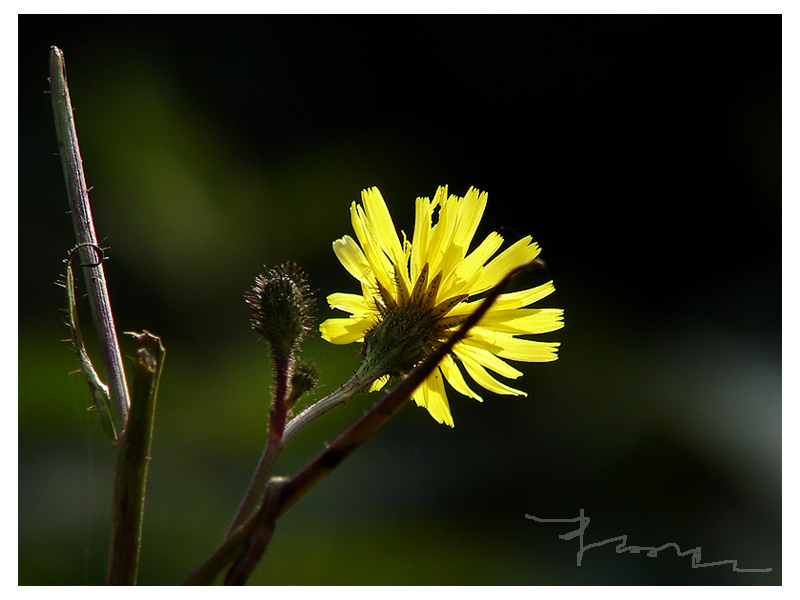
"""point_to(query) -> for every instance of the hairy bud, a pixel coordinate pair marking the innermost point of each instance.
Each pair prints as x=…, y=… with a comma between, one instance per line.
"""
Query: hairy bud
x=304, y=379
x=282, y=307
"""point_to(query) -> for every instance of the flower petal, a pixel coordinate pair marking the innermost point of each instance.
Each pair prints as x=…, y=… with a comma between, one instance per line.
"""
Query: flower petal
x=375, y=256
x=505, y=345
x=482, y=377
x=524, y=297
x=529, y=350
x=345, y=331
x=524, y=320
x=431, y=395
x=469, y=269
x=485, y=354
x=352, y=257
x=470, y=214
x=379, y=383
x=452, y=373
x=509, y=300
x=516, y=255
x=382, y=225
x=441, y=233
x=352, y=303
x=419, y=243
x=455, y=241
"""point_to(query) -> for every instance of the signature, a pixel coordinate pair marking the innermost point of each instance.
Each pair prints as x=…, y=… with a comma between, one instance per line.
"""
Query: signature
x=623, y=547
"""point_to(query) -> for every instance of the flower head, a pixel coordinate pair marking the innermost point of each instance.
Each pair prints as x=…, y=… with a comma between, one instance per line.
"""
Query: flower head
x=414, y=294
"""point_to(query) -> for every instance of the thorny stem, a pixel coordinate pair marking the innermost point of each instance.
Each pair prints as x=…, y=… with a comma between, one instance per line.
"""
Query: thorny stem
x=240, y=543
x=81, y=211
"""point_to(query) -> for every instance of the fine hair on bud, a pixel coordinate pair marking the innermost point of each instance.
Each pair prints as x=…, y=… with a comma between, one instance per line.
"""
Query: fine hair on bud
x=283, y=307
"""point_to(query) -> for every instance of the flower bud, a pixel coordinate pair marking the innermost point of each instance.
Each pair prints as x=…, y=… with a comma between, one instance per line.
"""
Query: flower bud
x=304, y=378
x=282, y=308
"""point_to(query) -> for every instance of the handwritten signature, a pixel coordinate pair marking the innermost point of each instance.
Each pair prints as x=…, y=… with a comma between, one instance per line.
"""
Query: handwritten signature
x=623, y=547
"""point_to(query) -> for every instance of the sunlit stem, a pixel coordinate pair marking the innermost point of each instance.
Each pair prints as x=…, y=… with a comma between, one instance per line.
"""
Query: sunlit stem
x=81, y=212
x=361, y=380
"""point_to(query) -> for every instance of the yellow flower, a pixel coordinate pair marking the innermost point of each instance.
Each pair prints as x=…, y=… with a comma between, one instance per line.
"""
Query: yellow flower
x=415, y=294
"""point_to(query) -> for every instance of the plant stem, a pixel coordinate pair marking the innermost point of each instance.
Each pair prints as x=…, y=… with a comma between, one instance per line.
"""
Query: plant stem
x=260, y=534
x=254, y=528
x=380, y=412
x=81, y=211
x=283, y=367
x=359, y=382
x=246, y=518
x=98, y=389
x=133, y=458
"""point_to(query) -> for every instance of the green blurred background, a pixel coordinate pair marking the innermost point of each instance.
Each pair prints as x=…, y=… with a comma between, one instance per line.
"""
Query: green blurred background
x=642, y=153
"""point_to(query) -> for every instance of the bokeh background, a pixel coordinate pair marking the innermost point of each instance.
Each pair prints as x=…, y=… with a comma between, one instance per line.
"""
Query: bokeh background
x=643, y=154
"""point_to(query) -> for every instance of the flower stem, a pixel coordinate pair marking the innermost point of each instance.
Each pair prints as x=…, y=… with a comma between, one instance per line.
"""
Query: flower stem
x=256, y=487
x=260, y=534
x=284, y=369
x=359, y=382
x=133, y=458
x=260, y=524
x=281, y=432
x=283, y=366
x=83, y=224
x=380, y=412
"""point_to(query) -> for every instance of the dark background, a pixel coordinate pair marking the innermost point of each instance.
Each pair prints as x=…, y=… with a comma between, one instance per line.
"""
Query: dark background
x=642, y=153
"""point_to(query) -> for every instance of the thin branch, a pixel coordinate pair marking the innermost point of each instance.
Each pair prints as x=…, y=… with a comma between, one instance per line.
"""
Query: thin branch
x=87, y=239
